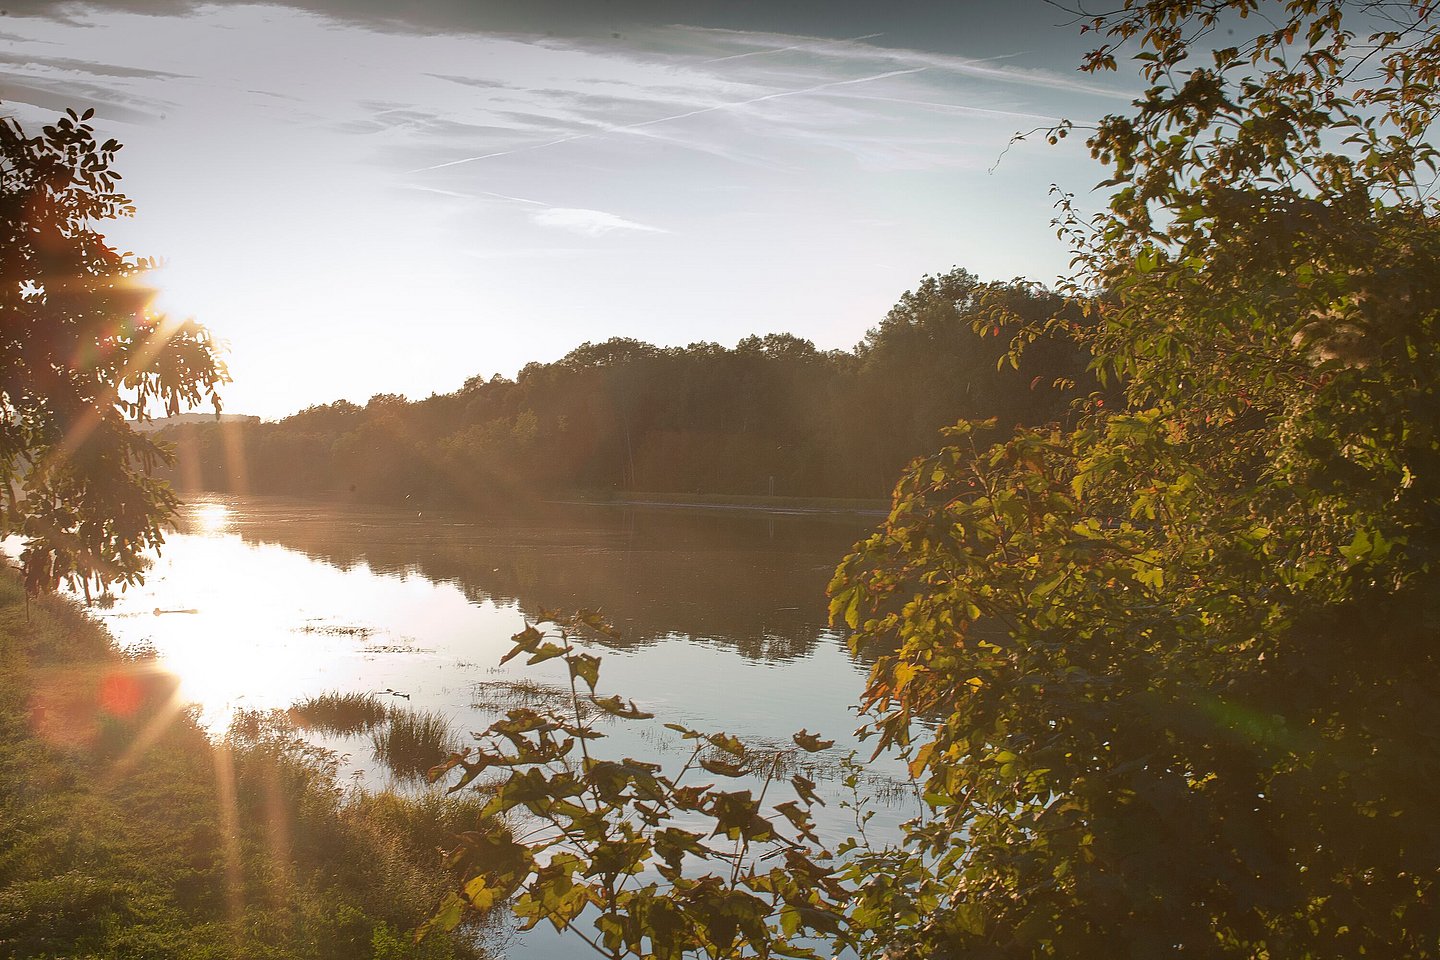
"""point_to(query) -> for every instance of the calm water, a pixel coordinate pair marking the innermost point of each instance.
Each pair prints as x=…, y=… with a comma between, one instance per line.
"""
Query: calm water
x=260, y=603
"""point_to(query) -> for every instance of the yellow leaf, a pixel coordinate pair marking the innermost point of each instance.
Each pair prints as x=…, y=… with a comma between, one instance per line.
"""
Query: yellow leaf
x=481, y=896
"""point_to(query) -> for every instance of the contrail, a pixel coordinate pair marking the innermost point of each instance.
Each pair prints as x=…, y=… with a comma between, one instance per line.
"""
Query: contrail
x=798, y=46
x=501, y=153
x=773, y=96
x=985, y=111
x=678, y=116
x=474, y=194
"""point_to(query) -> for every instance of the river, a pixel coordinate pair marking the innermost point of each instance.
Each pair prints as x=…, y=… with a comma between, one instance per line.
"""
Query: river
x=259, y=603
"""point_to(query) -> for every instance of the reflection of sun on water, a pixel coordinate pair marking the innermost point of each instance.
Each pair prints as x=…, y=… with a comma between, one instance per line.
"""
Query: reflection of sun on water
x=209, y=519
x=223, y=674
x=230, y=635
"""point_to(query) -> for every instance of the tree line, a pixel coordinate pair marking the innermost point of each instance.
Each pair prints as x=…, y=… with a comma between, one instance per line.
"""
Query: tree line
x=773, y=415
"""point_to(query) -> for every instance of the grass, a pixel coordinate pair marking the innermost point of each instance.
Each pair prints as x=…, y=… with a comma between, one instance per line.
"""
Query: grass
x=339, y=713
x=500, y=696
x=125, y=833
x=412, y=741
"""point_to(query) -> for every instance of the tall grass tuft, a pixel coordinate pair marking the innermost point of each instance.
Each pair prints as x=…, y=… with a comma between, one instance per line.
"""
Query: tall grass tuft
x=412, y=741
x=339, y=713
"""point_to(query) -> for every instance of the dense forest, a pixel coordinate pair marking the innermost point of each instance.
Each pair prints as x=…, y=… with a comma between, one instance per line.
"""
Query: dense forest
x=772, y=416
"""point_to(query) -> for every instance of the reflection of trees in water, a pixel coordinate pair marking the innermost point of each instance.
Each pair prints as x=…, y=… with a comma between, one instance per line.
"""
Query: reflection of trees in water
x=751, y=582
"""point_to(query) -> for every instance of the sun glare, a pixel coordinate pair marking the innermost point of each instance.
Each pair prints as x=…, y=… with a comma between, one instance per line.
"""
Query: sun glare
x=210, y=519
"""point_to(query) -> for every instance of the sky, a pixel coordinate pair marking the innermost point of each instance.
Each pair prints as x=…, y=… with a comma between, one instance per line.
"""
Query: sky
x=396, y=195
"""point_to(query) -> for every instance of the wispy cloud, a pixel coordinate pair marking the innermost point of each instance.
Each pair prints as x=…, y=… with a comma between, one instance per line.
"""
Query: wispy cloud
x=763, y=95
x=815, y=45
x=990, y=68
x=30, y=63
x=961, y=108
x=589, y=223
x=759, y=99
x=580, y=220
x=685, y=115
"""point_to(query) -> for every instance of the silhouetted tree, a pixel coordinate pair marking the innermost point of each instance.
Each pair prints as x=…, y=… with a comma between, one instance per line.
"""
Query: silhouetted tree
x=81, y=355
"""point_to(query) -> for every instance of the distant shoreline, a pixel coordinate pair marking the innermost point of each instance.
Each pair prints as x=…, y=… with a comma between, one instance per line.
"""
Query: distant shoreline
x=775, y=505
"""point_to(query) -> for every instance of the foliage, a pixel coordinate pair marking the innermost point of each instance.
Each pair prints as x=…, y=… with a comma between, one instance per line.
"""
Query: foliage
x=621, y=415
x=80, y=352
x=655, y=868
x=1179, y=660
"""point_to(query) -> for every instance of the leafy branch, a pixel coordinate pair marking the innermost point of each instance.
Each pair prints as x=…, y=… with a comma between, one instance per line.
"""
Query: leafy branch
x=624, y=856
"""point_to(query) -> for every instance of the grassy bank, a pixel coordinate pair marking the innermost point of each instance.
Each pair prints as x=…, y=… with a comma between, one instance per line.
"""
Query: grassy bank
x=125, y=833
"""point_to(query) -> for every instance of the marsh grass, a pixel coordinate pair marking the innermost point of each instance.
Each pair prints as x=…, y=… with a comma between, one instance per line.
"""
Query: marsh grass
x=502, y=695
x=412, y=741
x=128, y=834
x=339, y=713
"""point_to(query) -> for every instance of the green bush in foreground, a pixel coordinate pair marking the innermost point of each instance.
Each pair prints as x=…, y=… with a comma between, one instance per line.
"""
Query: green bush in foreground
x=1180, y=662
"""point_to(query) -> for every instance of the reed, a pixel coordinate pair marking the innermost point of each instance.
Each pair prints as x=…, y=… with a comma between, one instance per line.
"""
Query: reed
x=339, y=713
x=412, y=741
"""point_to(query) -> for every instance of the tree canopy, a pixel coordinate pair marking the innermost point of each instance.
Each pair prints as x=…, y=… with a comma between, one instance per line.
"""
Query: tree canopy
x=81, y=357
x=621, y=415
x=1176, y=668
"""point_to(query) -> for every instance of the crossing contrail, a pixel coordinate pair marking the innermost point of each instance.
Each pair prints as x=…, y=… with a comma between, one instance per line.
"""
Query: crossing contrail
x=673, y=117
x=798, y=46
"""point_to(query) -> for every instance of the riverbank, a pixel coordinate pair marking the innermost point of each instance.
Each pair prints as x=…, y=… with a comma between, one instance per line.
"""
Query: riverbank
x=125, y=832
x=719, y=501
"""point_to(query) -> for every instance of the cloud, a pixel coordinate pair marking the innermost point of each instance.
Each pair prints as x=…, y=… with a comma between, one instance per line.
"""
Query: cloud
x=46, y=98
x=462, y=109
x=992, y=68
x=589, y=223
x=640, y=125
x=8, y=61
x=753, y=97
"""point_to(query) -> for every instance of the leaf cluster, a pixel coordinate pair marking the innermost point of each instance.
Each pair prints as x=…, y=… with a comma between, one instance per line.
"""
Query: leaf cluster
x=82, y=355
x=636, y=862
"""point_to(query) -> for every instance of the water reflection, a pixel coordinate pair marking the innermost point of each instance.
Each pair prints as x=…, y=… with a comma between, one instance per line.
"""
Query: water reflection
x=208, y=519
x=752, y=582
x=265, y=604
x=260, y=604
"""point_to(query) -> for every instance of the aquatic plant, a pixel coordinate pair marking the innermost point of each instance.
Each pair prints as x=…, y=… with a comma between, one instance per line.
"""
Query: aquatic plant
x=339, y=713
x=412, y=741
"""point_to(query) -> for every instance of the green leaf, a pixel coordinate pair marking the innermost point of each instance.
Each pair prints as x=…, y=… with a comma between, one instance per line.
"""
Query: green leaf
x=726, y=742
x=626, y=710
x=480, y=896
